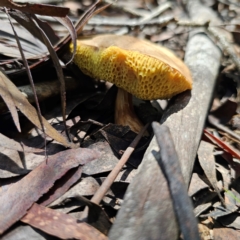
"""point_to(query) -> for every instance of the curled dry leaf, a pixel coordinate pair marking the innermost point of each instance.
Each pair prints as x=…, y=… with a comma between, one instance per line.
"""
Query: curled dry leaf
x=20, y=196
x=40, y=50
x=58, y=67
x=69, y=25
x=36, y=28
x=25, y=21
x=60, y=225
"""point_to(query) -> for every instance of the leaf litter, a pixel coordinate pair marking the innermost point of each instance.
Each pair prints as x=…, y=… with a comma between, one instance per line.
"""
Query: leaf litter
x=215, y=171
x=60, y=224
x=29, y=111
x=15, y=203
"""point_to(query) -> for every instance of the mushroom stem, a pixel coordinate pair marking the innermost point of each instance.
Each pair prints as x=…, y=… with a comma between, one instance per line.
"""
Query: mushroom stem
x=124, y=112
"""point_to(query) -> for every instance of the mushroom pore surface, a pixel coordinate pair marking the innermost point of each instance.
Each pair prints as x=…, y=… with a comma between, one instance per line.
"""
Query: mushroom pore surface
x=145, y=76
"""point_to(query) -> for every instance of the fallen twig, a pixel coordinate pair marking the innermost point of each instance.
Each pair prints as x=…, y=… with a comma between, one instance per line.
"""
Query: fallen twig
x=98, y=196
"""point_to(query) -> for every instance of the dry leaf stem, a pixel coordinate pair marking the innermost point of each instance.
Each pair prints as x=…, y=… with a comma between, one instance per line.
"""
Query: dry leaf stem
x=112, y=176
x=98, y=196
x=160, y=22
x=144, y=20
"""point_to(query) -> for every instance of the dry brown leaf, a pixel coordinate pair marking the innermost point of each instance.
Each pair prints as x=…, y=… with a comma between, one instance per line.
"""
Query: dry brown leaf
x=11, y=144
x=61, y=186
x=60, y=224
x=30, y=112
x=31, y=46
x=69, y=25
x=86, y=187
x=20, y=196
x=41, y=9
x=225, y=233
x=8, y=99
x=207, y=162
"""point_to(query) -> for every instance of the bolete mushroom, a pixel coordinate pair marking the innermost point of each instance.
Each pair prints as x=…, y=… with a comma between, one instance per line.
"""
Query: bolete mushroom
x=138, y=67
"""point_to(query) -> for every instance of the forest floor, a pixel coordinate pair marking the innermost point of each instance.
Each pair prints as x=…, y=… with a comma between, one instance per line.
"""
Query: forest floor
x=68, y=171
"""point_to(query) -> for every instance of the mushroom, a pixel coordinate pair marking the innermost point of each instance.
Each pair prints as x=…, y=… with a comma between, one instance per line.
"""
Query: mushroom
x=137, y=67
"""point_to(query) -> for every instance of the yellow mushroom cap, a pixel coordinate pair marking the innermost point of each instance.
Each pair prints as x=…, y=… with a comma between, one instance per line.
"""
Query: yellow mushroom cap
x=144, y=69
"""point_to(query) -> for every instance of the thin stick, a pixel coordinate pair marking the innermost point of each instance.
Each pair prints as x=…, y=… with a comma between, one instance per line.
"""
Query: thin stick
x=144, y=20
x=99, y=194
x=100, y=21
